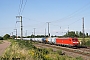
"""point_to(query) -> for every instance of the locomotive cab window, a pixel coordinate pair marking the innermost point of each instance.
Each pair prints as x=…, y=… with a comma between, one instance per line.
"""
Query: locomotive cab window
x=74, y=40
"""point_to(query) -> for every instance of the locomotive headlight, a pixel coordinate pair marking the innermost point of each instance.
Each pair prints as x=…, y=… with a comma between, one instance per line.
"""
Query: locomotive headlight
x=75, y=42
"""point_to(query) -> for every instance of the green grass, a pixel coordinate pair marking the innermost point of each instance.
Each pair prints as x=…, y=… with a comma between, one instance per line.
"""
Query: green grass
x=25, y=50
x=87, y=41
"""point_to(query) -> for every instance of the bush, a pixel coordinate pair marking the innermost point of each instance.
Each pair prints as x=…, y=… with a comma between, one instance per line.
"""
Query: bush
x=1, y=38
x=88, y=43
x=6, y=36
x=59, y=52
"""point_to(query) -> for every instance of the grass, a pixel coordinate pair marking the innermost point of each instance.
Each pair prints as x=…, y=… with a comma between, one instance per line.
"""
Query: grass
x=25, y=50
x=87, y=41
x=1, y=41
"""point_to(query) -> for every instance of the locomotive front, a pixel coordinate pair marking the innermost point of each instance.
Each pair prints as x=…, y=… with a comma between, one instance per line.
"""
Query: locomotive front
x=75, y=42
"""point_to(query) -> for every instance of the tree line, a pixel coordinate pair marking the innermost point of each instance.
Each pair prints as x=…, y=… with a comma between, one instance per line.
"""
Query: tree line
x=68, y=34
x=76, y=34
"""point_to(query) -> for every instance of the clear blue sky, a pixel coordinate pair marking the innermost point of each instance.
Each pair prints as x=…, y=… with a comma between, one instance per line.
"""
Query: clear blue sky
x=60, y=13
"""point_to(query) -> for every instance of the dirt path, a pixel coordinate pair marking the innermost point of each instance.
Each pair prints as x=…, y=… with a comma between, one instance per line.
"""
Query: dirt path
x=3, y=46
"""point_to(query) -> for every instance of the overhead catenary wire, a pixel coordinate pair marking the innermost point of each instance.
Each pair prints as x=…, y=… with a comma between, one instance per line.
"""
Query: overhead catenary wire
x=72, y=14
x=52, y=24
x=74, y=22
x=64, y=18
x=23, y=7
x=38, y=23
x=69, y=16
x=31, y=19
x=20, y=7
x=67, y=24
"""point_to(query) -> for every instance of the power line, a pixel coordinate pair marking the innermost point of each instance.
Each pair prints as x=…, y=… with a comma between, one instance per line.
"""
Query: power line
x=20, y=7
x=32, y=20
x=74, y=21
x=53, y=24
x=68, y=24
x=69, y=16
x=34, y=24
x=24, y=6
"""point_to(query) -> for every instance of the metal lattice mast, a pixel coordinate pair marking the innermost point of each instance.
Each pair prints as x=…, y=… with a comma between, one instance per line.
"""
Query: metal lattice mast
x=21, y=26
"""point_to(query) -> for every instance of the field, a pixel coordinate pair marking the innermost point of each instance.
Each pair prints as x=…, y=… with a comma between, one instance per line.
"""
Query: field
x=25, y=50
x=86, y=39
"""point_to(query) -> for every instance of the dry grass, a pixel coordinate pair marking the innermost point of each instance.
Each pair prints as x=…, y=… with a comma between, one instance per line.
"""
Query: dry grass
x=86, y=39
x=24, y=52
x=1, y=41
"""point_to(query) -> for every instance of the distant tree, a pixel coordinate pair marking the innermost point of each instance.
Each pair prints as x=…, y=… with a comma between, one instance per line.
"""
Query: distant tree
x=13, y=36
x=52, y=36
x=66, y=35
x=6, y=36
x=1, y=38
x=81, y=34
x=28, y=36
x=18, y=36
x=32, y=36
x=71, y=34
x=87, y=35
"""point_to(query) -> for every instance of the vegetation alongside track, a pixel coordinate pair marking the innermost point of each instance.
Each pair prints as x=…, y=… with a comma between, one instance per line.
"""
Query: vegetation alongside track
x=25, y=50
x=87, y=41
x=1, y=41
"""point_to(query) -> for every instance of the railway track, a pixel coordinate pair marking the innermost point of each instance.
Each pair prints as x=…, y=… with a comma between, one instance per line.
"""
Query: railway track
x=83, y=52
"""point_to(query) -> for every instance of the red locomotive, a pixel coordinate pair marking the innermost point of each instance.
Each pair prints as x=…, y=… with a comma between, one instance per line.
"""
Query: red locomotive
x=67, y=41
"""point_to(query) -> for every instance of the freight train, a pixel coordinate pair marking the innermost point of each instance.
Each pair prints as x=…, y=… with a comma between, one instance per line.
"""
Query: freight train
x=56, y=41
